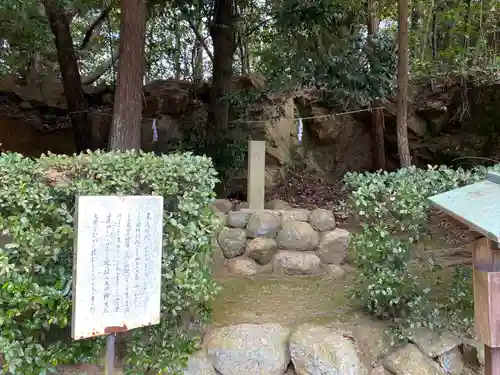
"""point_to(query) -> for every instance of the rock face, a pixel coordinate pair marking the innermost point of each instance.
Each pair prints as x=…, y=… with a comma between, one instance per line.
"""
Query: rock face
x=318, y=350
x=249, y=349
x=339, y=143
x=178, y=110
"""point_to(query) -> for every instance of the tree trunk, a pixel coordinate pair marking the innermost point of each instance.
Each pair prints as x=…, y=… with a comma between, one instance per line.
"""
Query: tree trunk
x=198, y=62
x=243, y=59
x=177, y=52
x=125, y=131
x=198, y=46
x=402, y=100
x=222, y=33
x=378, y=145
x=72, y=83
x=434, y=36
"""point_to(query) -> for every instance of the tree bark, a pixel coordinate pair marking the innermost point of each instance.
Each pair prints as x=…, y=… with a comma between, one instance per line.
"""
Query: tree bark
x=223, y=40
x=70, y=74
x=93, y=29
x=125, y=131
x=402, y=82
x=198, y=62
x=177, y=52
x=378, y=145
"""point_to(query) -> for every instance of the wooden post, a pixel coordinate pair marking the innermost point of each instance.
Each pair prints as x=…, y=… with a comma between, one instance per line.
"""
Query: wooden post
x=486, y=279
x=256, y=181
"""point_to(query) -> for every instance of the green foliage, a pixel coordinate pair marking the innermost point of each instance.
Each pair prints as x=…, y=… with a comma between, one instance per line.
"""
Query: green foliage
x=460, y=305
x=36, y=214
x=228, y=152
x=323, y=45
x=393, y=209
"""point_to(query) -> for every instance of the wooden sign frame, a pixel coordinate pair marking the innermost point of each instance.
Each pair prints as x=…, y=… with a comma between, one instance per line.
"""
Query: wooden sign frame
x=478, y=206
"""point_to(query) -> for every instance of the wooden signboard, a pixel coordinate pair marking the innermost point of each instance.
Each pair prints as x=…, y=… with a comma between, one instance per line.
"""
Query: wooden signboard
x=478, y=206
x=117, y=265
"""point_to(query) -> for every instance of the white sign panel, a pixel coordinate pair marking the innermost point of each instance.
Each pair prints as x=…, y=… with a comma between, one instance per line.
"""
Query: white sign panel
x=117, y=264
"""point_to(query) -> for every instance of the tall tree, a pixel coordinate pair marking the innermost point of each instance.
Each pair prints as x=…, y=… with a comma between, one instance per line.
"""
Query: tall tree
x=377, y=113
x=402, y=81
x=70, y=74
x=125, y=131
x=223, y=40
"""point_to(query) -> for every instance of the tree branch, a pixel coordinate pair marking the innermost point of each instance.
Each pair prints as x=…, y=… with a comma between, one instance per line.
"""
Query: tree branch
x=253, y=29
x=197, y=34
x=98, y=73
x=97, y=22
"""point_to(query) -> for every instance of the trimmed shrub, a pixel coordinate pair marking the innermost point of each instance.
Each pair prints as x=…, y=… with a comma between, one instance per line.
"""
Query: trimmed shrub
x=393, y=209
x=37, y=201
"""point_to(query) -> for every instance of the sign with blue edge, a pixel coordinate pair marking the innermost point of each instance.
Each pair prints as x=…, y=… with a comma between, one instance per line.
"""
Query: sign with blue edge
x=476, y=205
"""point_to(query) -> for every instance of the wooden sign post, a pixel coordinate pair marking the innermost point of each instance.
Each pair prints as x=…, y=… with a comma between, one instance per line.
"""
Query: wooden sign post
x=256, y=180
x=478, y=206
x=117, y=266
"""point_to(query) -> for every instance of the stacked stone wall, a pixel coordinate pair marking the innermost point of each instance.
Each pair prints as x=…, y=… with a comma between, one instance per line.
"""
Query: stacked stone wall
x=279, y=239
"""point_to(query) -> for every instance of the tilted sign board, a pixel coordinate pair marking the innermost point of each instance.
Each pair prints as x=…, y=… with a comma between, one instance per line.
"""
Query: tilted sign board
x=117, y=264
x=478, y=206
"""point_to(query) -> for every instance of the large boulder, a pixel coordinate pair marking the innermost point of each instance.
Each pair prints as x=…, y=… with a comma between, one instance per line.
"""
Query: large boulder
x=223, y=205
x=322, y=220
x=333, y=245
x=297, y=235
x=249, y=349
x=238, y=219
x=232, y=241
x=295, y=214
x=319, y=350
x=277, y=204
x=410, y=360
x=261, y=249
x=372, y=341
x=198, y=364
x=296, y=263
x=444, y=346
x=263, y=223
x=242, y=266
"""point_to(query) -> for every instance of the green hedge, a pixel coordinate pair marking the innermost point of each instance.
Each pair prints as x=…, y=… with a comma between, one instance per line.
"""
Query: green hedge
x=37, y=199
x=393, y=209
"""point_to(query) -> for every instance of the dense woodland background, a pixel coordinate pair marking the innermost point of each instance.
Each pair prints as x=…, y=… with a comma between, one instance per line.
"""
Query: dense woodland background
x=427, y=66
